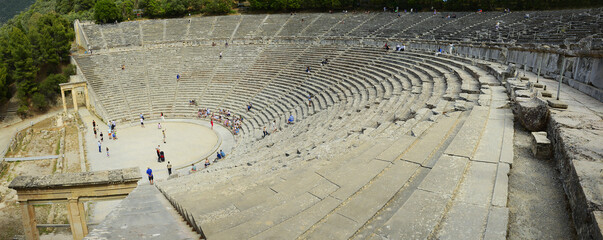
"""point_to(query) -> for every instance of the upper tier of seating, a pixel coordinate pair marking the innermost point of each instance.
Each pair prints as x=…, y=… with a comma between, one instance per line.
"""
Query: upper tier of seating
x=548, y=27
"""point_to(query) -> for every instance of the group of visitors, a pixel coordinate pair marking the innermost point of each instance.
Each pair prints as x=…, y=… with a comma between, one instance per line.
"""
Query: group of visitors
x=224, y=117
x=112, y=133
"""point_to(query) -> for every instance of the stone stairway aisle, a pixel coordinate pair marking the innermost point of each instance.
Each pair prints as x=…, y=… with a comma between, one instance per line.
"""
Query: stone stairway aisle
x=145, y=213
x=464, y=194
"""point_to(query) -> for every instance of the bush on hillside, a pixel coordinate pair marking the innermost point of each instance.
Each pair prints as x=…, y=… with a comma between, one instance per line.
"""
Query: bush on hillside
x=105, y=11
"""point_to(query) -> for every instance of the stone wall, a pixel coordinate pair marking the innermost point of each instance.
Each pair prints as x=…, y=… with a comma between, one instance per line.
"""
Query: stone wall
x=583, y=69
x=95, y=106
x=80, y=36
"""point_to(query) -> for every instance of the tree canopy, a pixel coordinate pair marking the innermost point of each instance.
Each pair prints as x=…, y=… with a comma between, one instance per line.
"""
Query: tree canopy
x=106, y=11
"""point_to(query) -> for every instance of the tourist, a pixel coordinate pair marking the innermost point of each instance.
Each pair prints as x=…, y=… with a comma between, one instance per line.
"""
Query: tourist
x=273, y=126
x=193, y=168
x=158, y=125
x=107, y=151
x=386, y=47
x=291, y=119
x=212, y=123
x=213, y=44
x=177, y=77
x=222, y=153
x=169, y=167
x=220, y=55
x=114, y=136
x=161, y=157
x=398, y=47
x=158, y=153
x=309, y=100
x=94, y=132
x=249, y=106
x=150, y=175
x=218, y=156
x=163, y=132
x=265, y=132
x=206, y=162
x=142, y=122
x=99, y=147
x=308, y=69
x=93, y=124
x=162, y=117
x=123, y=67
x=101, y=136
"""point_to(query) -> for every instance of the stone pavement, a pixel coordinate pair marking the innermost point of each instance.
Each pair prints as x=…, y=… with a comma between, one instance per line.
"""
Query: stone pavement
x=145, y=213
x=576, y=134
x=187, y=141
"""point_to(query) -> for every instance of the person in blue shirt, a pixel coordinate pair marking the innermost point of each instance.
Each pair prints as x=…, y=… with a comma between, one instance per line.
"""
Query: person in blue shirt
x=222, y=153
x=150, y=175
x=291, y=119
x=218, y=155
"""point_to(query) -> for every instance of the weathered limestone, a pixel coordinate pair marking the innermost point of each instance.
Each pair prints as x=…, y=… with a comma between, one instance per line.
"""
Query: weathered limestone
x=73, y=188
x=532, y=114
x=145, y=213
x=71, y=87
x=556, y=104
x=541, y=145
x=579, y=161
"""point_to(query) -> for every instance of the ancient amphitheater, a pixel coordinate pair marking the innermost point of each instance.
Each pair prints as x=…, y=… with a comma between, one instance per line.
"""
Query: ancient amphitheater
x=409, y=144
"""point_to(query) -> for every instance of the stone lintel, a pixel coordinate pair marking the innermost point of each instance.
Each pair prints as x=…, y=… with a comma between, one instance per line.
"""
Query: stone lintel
x=82, y=179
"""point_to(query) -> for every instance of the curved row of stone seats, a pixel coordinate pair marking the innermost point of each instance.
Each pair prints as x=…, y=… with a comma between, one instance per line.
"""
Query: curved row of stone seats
x=459, y=28
x=573, y=25
x=431, y=23
x=236, y=209
x=275, y=111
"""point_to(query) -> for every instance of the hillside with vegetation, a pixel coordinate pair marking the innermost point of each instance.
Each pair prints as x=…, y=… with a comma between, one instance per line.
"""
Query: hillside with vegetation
x=10, y=8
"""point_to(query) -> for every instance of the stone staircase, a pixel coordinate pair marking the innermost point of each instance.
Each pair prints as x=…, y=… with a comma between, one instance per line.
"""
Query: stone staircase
x=145, y=213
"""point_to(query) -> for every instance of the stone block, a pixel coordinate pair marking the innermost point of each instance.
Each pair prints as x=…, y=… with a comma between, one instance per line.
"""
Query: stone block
x=546, y=94
x=541, y=145
x=532, y=114
x=426, y=209
x=464, y=221
x=557, y=104
x=498, y=220
x=501, y=185
x=524, y=93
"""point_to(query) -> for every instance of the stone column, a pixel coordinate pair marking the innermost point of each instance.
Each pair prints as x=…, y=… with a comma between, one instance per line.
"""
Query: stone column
x=74, y=96
x=77, y=219
x=63, y=98
x=86, y=95
x=29, y=221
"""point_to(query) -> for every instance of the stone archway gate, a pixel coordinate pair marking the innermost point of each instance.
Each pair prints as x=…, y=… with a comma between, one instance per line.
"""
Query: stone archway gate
x=72, y=87
x=73, y=189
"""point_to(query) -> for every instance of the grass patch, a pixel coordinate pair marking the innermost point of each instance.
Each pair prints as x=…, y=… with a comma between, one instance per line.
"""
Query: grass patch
x=58, y=148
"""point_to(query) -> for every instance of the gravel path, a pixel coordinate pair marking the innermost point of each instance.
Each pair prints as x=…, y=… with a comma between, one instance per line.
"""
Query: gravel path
x=538, y=206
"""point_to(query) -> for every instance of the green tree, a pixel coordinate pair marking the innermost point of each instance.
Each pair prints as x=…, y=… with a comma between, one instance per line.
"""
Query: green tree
x=24, y=70
x=50, y=86
x=3, y=84
x=39, y=101
x=51, y=37
x=126, y=7
x=152, y=8
x=174, y=8
x=105, y=11
x=218, y=6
